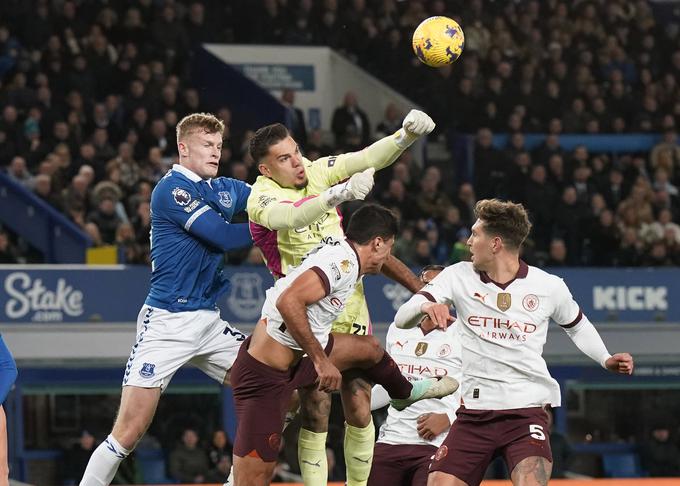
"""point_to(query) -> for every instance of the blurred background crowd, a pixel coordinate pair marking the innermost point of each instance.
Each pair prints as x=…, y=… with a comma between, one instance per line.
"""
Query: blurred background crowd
x=91, y=91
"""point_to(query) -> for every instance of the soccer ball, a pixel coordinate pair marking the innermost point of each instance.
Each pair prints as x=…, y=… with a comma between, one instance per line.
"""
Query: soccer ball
x=438, y=41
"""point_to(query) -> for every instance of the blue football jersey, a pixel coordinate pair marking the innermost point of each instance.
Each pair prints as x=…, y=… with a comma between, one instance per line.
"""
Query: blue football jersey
x=190, y=231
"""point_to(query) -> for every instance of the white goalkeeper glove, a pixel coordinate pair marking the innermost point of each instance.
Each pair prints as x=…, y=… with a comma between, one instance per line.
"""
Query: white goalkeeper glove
x=415, y=125
x=357, y=187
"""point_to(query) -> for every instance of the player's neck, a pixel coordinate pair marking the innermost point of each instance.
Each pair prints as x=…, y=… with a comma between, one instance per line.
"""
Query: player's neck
x=504, y=268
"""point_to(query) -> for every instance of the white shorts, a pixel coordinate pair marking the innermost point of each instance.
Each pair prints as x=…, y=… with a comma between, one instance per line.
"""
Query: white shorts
x=168, y=340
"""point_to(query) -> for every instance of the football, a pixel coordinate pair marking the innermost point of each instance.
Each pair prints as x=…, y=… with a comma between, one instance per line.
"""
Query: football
x=438, y=41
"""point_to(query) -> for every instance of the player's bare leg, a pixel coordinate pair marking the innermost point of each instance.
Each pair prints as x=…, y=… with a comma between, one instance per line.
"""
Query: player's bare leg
x=137, y=408
x=359, y=430
x=356, y=398
x=438, y=478
x=315, y=408
x=532, y=471
x=252, y=471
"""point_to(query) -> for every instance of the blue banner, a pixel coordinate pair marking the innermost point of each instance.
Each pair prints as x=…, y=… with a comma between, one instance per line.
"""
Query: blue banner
x=78, y=293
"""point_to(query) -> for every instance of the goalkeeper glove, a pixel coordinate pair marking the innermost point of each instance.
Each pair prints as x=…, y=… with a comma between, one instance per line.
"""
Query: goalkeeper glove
x=356, y=187
x=415, y=125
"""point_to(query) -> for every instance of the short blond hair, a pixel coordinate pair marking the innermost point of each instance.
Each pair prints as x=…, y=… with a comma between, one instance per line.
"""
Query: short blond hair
x=206, y=122
x=504, y=219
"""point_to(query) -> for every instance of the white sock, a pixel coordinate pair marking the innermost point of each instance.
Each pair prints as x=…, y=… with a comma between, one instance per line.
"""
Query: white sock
x=104, y=463
x=230, y=479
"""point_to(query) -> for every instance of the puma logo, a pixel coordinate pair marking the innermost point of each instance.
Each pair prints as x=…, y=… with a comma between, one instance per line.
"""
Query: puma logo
x=400, y=344
x=480, y=297
x=315, y=464
x=362, y=460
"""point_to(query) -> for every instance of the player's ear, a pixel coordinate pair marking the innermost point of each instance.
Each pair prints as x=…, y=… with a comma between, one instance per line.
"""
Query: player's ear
x=264, y=170
x=182, y=148
x=378, y=243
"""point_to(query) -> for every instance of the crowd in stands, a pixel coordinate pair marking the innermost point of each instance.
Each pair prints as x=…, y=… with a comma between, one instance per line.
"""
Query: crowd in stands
x=91, y=91
x=189, y=461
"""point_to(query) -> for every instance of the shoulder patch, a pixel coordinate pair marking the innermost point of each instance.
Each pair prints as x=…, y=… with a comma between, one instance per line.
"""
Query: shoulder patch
x=181, y=196
x=192, y=206
x=331, y=160
x=345, y=265
x=336, y=272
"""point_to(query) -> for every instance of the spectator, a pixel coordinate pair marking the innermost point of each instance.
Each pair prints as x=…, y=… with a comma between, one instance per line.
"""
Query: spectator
x=604, y=240
x=630, y=250
x=570, y=215
x=489, y=166
x=106, y=219
x=541, y=197
x=295, y=119
x=465, y=202
x=219, y=447
x=18, y=172
x=43, y=189
x=397, y=197
x=660, y=456
x=350, y=121
x=75, y=459
x=188, y=462
x=557, y=256
x=7, y=252
x=390, y=123
x=220, y=470
x=431, y=201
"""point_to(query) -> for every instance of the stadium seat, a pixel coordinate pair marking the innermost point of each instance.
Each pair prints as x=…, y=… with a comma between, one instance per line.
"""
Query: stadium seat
x=621, y=465
x=152, y=464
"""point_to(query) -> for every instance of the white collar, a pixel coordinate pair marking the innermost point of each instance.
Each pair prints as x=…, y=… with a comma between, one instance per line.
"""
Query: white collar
x=189, y=174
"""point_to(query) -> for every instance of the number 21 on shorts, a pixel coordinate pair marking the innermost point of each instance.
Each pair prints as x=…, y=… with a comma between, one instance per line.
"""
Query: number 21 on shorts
x=536, y=431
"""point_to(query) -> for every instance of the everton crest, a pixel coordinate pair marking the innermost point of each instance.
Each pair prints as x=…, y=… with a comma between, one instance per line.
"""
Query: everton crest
x=225, y=199
x=147, y=370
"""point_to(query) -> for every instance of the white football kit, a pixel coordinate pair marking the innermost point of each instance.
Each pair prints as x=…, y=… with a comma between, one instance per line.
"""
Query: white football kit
x=422, y=355
x=337, y=265
x=503, y=329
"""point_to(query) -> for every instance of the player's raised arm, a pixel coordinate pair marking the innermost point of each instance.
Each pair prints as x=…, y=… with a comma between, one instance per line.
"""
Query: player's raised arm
x=433, y=300
x=379, y=154
x=308, y=288
x=584, y=335
x=419, y=305
x=277, y=214
x=396, y=270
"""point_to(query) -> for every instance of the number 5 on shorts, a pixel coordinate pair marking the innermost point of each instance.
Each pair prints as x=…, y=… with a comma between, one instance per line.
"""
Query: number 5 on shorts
x=536, y=431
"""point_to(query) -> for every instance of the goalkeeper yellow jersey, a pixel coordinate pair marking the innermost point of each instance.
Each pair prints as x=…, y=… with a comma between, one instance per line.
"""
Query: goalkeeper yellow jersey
x=283, y=249
x=286, y=248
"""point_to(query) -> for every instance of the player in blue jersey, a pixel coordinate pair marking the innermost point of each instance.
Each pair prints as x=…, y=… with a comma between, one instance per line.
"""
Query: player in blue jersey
x=179, y=322
x=8, y=373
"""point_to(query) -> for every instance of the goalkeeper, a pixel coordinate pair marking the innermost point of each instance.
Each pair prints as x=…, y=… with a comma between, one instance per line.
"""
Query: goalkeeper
x=292, y=209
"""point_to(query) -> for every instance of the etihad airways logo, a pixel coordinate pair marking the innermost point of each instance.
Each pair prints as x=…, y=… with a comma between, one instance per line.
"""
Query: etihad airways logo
x=422, y=370
x=501, y=323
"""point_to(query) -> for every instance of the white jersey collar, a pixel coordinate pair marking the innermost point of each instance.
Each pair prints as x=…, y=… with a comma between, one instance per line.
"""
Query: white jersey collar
x=189, y=174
